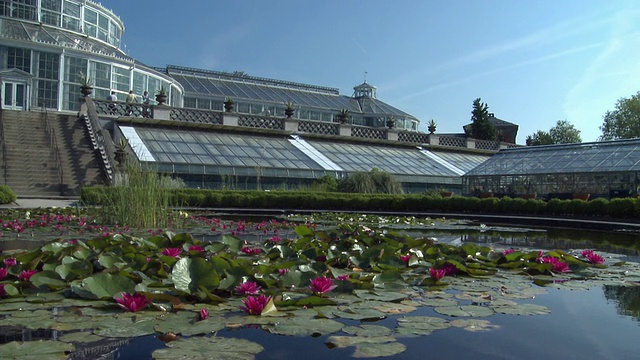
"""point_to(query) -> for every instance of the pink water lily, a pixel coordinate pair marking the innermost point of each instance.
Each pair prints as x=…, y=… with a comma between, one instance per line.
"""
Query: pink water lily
x=558, y=266
x=436, y=274
x=248, y=288
x=173, y=252
x=197, y=248
x=250, y=251
x=254, y=305
x=275, y=239
x=25, y=275
x=344, y=277
x=283, y=271
x=593, y=257
x=449, y=269
x=132, y=302
x=204, y=314
x=508, y=251
x=3, y=273
x=3, y=292
x=322, y=285
x=405, y=258
x=9, y=262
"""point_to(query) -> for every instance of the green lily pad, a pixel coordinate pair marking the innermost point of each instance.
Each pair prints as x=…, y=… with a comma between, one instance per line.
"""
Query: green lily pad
x=124, y=327
x=420, y=325
x=305, y=327
x=474, y=325
x=379, y=350
x=80, y=337
x=40, y=349
x=367, y=330
x=467, y=310
x=522, y=309
x=202, y=348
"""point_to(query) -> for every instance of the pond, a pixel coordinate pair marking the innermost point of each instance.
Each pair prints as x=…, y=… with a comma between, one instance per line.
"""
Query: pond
x=502, y=302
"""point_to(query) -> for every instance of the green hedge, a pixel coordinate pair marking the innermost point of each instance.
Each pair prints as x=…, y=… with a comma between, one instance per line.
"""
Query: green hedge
x=6, y=195
x=334, y=201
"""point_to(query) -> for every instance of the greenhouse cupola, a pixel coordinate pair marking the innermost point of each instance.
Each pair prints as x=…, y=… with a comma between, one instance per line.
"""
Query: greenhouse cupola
x=364, y=90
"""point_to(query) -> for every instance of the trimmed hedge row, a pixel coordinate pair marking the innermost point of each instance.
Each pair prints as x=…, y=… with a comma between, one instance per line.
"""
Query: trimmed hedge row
x=292, y=201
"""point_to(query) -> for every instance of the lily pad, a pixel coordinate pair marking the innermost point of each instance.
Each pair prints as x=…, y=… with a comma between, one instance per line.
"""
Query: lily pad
x=367, y=330
x=522, y=309
x=305, y=327
x=197, y=348
x=467, y=310
x=420, y=325
x=474, y=325
x=40, y=349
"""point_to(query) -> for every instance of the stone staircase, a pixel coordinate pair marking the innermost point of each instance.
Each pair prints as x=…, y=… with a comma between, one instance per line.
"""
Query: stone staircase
x=33, y=166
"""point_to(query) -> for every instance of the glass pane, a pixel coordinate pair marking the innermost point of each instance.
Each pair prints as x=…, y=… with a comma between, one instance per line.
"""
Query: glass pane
x=8, y=94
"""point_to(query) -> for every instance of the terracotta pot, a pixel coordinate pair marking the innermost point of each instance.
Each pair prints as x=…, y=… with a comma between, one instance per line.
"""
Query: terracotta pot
x=582, y=196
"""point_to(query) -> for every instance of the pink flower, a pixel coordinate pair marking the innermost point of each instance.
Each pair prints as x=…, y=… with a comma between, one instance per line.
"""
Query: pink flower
x=322, y=285
x=3, y=292
x=592, y=257
x=449, y=269
x=250, y=251
x=508, y=251
x=558, y=266
x=248, y=288
x=3, y=273
x=344, y=277
x=197, y=248
x=283, y=271
x=173, y=252
x=255, y=304
x=9, y=262
x=204, y=314
x=436, y=274
x=275, y=239
x=132, y=302
x=25, y=275
x=405, y=258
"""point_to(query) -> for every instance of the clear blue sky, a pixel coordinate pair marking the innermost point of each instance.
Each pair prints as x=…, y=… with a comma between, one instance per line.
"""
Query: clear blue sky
x=532, y=62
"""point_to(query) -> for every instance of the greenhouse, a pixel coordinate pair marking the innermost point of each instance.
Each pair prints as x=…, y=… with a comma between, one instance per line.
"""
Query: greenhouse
x=602, y=169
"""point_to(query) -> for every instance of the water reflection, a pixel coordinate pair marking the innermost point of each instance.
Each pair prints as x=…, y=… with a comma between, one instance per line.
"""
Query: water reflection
x=626, y=299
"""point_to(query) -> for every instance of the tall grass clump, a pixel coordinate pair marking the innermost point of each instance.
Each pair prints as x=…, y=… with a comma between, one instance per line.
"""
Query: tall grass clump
x=374, y=182
x=140, y=198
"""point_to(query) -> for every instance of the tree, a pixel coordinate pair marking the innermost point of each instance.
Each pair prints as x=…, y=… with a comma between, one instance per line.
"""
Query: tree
x=563, y=133
x=624, y=121
x=540, y=137
x=482, y=128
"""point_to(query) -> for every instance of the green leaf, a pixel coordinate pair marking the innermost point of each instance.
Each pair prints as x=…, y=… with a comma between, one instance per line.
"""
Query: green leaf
x=48, y=278
x=203, y=348
x=305, y=327
x=39, y=349
x=103, y=285
x=189, y=274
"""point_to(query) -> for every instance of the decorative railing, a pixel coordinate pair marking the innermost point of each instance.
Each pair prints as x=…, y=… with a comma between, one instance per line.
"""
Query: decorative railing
x=53, y=144
x=196, y=116
x=487, y=145
x=100, y=138
x=414, y=137
x=368, y=132
x=261, y=122
x=319, y=127
x=4, y=153
x=119, y=108
x=453, y=141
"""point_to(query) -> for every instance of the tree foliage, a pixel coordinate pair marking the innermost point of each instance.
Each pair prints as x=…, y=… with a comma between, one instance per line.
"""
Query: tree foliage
x=563, y=133
x=482, y=128
x=624, y=121
x=374, y=182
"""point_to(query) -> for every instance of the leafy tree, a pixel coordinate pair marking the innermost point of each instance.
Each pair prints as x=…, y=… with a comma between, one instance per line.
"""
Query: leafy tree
x=563, y=133
x=624, y=121
x=482, y=128
x=540, y=137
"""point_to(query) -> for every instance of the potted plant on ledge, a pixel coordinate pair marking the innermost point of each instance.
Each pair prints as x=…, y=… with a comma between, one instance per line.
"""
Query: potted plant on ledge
x=228, y=104
x=431, y=126
x=85, y=85
x=161, y=95
x=343, y=116
x=391, y=122
x=290, y=108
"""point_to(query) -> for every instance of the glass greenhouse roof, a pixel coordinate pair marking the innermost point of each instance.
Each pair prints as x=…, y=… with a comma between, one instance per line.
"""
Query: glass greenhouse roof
x=32, y=32
x=610, y=156
x=248, y=88
x=198, y=148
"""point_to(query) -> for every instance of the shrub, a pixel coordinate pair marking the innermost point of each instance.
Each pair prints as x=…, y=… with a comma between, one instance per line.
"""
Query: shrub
x=6, y=195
